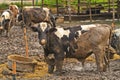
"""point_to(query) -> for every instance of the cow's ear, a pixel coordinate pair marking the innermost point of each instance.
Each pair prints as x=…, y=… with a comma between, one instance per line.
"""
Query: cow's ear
x=51, y=30
x=10, y=7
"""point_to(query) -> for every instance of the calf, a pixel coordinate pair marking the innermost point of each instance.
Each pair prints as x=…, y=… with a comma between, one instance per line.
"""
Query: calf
x=62, y=42
x=94, y=41
x=8, y=19
x=6, y=22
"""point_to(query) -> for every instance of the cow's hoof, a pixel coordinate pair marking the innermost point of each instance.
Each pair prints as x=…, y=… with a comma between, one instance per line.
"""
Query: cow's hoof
x=104, y=68
x=50, y=69
x=59, y=73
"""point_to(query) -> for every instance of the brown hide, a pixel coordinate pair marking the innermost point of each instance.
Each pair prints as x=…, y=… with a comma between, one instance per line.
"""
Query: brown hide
x=94, y=41
x=14, y=10
x=34, y=15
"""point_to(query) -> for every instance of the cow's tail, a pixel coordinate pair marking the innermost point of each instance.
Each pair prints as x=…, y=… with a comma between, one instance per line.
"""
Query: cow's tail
x=107, y=56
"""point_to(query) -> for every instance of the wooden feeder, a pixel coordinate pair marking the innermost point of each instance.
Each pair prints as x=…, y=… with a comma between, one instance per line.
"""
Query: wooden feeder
x=23, y=64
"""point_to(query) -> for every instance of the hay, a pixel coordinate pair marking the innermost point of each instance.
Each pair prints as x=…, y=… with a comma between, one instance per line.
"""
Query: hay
x=40, y=71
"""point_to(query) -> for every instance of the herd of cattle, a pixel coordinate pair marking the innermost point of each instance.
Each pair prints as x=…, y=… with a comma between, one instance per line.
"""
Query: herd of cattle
x=58, y=43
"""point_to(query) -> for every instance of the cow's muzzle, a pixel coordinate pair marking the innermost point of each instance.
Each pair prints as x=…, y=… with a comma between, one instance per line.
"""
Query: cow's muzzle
x=1, y=28
x=43, y=42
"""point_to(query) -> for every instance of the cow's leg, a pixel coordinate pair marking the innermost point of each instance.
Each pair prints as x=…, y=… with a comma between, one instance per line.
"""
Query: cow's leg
x=51, y=62
x=59, y=64
x=1, y=32
x=7, y=33
x=83, y=64
x=59, y=57
x=51, y=65
x=8, y=30
x=107, y=60
x=99, y=56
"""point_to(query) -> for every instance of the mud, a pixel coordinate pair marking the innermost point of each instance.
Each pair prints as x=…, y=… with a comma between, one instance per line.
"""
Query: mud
x=72, y=69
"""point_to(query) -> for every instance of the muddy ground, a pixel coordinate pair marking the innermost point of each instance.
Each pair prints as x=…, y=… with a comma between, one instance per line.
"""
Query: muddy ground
x=72, y=68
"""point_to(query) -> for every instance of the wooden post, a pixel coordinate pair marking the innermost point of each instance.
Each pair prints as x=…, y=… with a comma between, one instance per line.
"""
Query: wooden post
x=113, y=11
x=57, y=7
x=21, y=3
x=42, y=4
x=14, y=70
x=69, y=10
x=25, y=37
x=90, y=12
x=78, y=6
x=109, y=6
x=32, y=2
x=26, y=42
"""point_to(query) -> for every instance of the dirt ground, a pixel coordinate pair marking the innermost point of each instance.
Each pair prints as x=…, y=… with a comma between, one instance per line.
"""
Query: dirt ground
x=15, y=44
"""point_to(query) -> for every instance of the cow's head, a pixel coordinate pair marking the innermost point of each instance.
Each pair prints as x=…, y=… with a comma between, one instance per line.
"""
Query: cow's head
x=19, y=16
x=5, y=18
x=14, y=9
x=43, y=29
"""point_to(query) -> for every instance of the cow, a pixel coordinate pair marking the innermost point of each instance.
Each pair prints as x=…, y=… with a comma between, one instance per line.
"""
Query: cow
x=8, y=19
x=94, y=41
x=32, y=15
x=59, y=43
x=115, y=40
x=14, y=9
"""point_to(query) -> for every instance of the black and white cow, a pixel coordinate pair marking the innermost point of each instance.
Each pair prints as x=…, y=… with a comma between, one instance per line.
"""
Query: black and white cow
x=115, y=41
x=8, y=19
x=58, y=41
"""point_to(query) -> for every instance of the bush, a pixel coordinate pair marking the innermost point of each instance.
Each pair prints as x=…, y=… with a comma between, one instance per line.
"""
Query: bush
x=4, y=6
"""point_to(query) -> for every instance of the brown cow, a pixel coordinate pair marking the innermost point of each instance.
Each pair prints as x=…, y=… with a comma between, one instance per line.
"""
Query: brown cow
x=94, y=41
x=14, y=9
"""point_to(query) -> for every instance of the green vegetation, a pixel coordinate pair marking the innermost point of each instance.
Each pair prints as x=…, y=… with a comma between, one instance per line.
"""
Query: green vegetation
x=52, y=3
x=3, y=6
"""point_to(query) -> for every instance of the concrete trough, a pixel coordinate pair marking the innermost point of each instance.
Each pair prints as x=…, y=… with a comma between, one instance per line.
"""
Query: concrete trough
x=23, y=64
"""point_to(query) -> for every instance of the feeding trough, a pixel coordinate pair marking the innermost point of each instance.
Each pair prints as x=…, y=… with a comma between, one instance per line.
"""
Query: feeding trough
x=23, y=64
